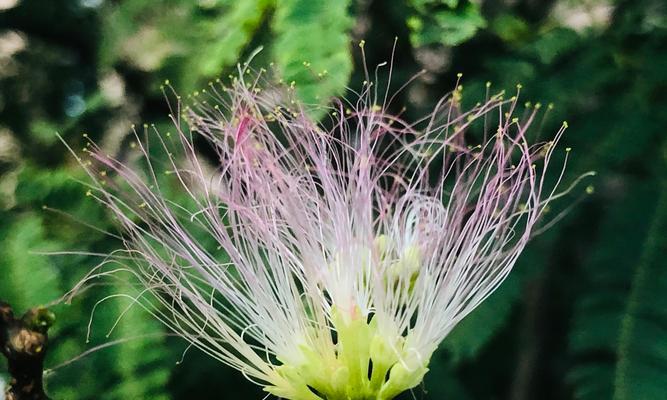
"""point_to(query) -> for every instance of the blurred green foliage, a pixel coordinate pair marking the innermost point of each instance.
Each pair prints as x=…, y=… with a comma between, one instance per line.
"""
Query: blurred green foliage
x=446, y=22
x=583, y=316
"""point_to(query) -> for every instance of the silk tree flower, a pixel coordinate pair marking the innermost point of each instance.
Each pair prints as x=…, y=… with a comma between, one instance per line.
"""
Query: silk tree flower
x=324, y=260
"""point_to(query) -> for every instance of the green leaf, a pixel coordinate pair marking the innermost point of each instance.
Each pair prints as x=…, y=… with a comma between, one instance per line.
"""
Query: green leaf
x=229, y=34
x=511, y=28
x=44, y=131
x=475, y=330
x=312, y=47
x=441, y=381
x=555, y=43
x=37, y=186
x=598, y=312
x=141, y=34
x=641, y=372
x=440, y=23
x=142, y=375
x=192, y=40
x=28, y=279
x=423, y=5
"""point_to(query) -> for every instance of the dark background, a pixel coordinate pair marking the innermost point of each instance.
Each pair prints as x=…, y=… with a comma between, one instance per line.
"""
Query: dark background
x=584, y=314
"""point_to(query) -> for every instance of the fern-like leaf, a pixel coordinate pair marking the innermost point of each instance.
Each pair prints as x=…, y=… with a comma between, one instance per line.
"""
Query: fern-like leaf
x=597, y=313
x=641, y=372
x=141, y=362
x=230, y=33
x=27, y=279
x=312, y=48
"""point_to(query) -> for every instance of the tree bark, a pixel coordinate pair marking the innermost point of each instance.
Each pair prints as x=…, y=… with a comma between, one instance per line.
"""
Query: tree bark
x=23, y=341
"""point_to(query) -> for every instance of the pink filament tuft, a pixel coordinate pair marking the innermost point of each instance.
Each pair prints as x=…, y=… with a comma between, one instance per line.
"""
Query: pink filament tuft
x=297, y=207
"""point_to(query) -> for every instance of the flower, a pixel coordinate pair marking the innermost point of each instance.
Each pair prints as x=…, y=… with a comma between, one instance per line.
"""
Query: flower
x=324, y=260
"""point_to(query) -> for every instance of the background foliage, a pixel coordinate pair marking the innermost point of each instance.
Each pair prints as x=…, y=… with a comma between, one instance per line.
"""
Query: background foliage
x=584, y=315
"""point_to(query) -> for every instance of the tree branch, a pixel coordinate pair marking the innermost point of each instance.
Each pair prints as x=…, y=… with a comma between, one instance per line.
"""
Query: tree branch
x=24, y=343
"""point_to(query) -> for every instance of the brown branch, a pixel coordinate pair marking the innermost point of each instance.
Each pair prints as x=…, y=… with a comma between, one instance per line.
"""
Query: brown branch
x=23, y=341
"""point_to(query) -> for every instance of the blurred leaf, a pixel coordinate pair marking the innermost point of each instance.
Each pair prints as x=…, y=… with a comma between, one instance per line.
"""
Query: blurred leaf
x=598, y=312
x=444, y=22
x=554, y=43
x=511, y=28
x=475, y=330
x=641, y=372
x=37, y=186
x=195, y=40
x=229, y=34
x=423, y=5
x=140, y=33
x=441, y=382
x=28, y=279
x=312, y=48
x=142, y=375
x=44, y=131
